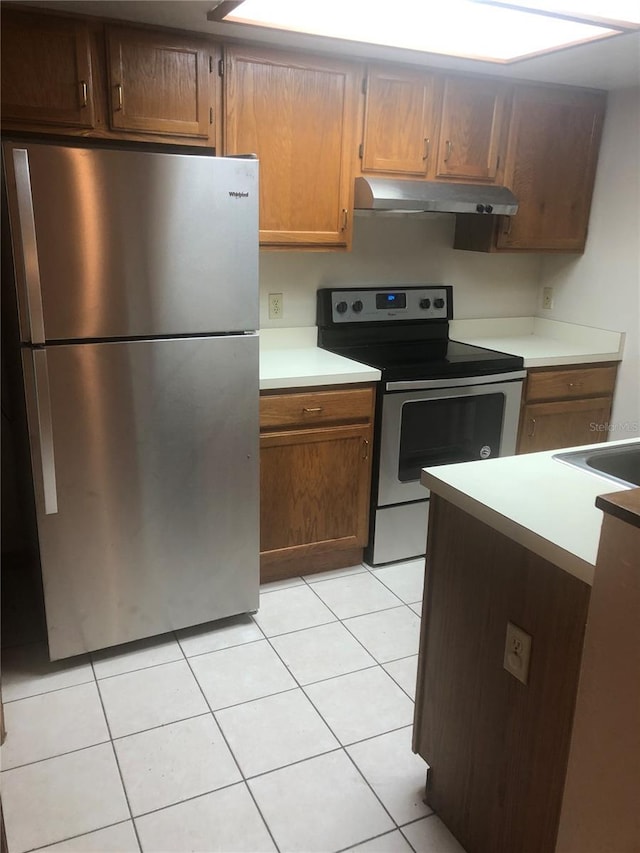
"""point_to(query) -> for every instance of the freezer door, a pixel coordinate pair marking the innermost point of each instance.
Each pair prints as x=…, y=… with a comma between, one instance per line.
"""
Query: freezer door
x=112, y=243
x=147, y=490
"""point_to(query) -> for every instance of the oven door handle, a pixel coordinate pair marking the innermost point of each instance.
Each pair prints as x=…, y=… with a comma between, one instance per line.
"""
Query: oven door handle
x=454, y=382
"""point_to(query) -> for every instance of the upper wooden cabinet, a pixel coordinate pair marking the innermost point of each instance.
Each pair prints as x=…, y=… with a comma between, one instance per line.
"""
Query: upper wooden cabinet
x=471, y=129
x=159, y=83
x=552, y=151
x=47, y=74
x=296, y=113
x=399, y=122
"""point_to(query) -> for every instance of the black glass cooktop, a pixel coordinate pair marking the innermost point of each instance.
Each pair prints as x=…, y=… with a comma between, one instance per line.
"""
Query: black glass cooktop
x=430, y=359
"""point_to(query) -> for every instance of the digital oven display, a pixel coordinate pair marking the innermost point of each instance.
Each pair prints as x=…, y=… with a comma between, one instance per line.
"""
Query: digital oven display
x=391, y=300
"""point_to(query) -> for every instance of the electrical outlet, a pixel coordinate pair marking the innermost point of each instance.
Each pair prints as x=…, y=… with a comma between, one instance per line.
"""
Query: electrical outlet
x=276, y=306
x=547, y=297
x=517, y=652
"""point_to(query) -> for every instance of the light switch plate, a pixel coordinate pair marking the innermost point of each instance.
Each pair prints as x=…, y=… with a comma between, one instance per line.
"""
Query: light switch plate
x=517, y=652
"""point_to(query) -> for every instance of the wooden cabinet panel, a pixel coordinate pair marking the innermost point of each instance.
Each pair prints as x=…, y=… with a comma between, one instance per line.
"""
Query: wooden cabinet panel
x=565, y=423
x=315, y=408
x=296, y=113
x=471, y=129
x=570, y=383
x=399, y=123
x=552, y=150
x=159, y=83
x=47, y=75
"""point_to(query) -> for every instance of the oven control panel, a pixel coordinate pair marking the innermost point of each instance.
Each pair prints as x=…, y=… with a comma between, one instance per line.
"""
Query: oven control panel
x=366, y=305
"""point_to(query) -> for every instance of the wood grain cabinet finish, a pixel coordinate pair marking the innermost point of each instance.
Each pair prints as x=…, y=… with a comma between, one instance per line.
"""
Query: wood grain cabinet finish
x=566, y=408
x=159, y=83
x=399, y=134
x=497, y=749
x=296, y=112
x=47, y=71
x=471, y=129
x=315, y=476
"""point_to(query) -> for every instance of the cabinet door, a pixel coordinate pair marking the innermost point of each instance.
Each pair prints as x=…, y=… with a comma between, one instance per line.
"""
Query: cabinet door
x=471, y=129
x=566, y=423
x=552, y=151
x=159, y=83
x=314, y=489
x=295, y=113
x=46, y=71
x=399, y=121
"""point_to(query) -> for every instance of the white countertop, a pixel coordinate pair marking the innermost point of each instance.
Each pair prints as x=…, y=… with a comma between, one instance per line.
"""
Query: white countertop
x=545, y=505
x=290, y=358
x=542, y=343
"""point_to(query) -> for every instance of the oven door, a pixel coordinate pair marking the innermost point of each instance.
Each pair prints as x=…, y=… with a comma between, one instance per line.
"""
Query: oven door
x=442, y=421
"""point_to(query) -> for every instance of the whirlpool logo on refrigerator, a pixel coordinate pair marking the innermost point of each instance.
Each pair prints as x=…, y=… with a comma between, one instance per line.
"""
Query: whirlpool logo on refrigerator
x=236, y=194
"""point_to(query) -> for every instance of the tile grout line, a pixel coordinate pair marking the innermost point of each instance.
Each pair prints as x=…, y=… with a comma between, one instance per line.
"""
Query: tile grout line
x=115, y=755
x=79, y=835
x=57, y=755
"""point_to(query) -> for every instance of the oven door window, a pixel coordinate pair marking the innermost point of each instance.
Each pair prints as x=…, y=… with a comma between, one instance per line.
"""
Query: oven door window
x=449, y=429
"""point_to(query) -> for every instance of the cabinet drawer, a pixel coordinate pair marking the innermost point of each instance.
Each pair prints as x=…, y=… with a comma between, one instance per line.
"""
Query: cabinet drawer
x=315, y=407
x=567, y=384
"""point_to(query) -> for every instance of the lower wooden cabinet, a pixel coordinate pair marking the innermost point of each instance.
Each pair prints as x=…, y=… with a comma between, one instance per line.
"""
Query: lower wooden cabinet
x=315, y=476
x=566, y=407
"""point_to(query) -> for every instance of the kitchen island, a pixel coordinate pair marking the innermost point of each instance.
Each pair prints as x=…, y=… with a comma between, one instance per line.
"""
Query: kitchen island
x=508, y=730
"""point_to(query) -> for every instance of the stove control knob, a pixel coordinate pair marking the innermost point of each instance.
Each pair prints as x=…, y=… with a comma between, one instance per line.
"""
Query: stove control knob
x=357, y=306
x=480, y=208
x=488, y=208
x=438, y=303
x=341, y=307
x=425, y=303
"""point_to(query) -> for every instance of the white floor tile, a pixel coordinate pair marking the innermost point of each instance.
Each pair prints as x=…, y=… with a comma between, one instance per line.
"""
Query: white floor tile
x=404, y=672
x=362, y=704
x=355, y=594
x=52, y=723
x=336, y=573
x=285, y=583
x=405, y=579
x=222, y=634
x=27, y=671
x=322, y=652
x=174, y=763
x=140, y=700
x=417, y=608
x=291, y=610
x=392, y=842
x=275, y=731
x=139, y=655
x=62, y=797
x=396, y=775
x=226, y=821
x=430, y=835
x=120, y=838
x=240, y=674
x=388, y=635
x=319, y=805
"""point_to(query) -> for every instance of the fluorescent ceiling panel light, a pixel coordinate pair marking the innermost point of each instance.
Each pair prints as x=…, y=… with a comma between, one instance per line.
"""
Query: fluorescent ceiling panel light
x=613, y=13
x=476, y=30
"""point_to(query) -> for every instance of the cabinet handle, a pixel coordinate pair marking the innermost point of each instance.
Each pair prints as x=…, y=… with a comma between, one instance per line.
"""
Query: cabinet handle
x=449, y=145
x=365, y=448
x=345, y=219
x=84, y=93
x=507, y=230
x=119, y=93
x=427, y=147
x=532, y=430
x=311, y=409
x=575, y=384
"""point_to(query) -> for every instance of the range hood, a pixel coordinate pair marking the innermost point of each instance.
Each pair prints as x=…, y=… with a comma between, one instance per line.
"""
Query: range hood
x=432, y=196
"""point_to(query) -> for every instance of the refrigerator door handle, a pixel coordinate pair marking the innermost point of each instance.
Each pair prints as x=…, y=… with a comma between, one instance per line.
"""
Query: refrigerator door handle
x=45, y=431
x=29, y=244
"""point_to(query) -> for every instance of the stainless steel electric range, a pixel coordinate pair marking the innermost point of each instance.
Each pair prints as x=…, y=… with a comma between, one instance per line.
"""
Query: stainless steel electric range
x=439, y=401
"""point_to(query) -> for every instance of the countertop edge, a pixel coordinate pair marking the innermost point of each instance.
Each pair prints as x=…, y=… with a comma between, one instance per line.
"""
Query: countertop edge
x=316, y=380
x=623, y=505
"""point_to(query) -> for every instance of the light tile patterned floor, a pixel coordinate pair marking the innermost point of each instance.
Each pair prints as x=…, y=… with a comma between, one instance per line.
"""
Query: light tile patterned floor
x=290, y=731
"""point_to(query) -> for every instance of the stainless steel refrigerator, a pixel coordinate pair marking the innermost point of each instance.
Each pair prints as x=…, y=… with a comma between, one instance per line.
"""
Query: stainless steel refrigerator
x=137, y=292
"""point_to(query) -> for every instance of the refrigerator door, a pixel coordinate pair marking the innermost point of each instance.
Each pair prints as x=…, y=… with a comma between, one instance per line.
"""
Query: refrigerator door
x=151, y=478
x=116, y=244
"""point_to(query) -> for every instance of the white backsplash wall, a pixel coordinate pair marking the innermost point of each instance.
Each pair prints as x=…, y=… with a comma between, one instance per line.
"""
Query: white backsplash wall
x=401, y=249
x=602, y=287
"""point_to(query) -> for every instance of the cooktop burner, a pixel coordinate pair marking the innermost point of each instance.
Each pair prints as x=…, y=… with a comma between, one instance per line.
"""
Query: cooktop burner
x=404, y=332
